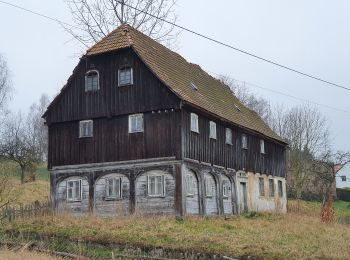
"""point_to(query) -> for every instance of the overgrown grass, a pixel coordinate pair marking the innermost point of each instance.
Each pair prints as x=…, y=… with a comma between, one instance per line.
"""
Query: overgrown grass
x=342, y=208
x=271, y=236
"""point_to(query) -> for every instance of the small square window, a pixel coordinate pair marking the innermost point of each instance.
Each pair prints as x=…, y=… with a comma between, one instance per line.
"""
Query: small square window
x=156, y=186
x=343, y=178
x=194, y=123
x=228, y=136
x=212, y=130
x=271, y=188
x=74, y=190
x=125, y=76
x=280, y=189
x=261, y=187
x=262, y=146
x=136, y=123
x=91, y=80
x=244, y=141
x=86, y=128
x=113, y=188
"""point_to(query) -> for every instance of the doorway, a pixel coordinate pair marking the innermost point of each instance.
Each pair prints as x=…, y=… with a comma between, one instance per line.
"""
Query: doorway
x=243, y=197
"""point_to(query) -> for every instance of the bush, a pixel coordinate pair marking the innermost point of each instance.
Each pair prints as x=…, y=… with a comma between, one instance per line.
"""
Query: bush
x=343, y=194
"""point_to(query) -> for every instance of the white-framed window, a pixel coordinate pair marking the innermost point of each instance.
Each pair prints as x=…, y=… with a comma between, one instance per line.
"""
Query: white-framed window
x=212, y=130
x=228, y=136
x=156, y=186
x=280, y=189
x=190, y=185
x=244, y=141
x=74, y=191
x=113, y=188
x=343, y=178
x=125, y=76
x=86, y=128
x=262, y=146
x=194, y=123
x=271, y=188
x=136, y=123
x=225, y=188
x=92, y=80
x=261, y=187
x=208, y=187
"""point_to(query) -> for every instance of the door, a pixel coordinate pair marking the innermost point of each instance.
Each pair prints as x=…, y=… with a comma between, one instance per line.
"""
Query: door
x=243, y=197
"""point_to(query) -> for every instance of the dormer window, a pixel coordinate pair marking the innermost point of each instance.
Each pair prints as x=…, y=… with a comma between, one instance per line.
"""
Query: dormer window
x=92, y=81
x=125, y=76
x=262, y=146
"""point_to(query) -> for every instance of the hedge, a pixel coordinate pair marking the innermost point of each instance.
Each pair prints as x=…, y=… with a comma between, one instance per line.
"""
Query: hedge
x=343, y=194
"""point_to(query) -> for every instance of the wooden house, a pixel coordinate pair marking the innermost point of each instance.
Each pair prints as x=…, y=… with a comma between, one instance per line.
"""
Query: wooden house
x=139, y=130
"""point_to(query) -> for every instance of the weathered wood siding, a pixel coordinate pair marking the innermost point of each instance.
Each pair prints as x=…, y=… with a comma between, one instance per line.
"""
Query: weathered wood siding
x=111, y=140
x=147, y=93
x=192, y=200
x=227, y=201
x=200, y=147
x=155, y=205
x=76, y=207
x=116, y=207
x=211, y=203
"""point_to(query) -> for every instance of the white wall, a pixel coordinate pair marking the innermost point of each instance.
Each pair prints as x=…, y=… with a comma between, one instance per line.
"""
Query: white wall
x=345, y=171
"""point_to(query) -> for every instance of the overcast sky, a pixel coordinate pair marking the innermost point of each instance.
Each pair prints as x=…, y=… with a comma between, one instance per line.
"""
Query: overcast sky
x=312, y=36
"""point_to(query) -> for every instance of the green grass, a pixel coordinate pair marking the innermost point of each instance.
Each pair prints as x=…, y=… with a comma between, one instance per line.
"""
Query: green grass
x=42, y=173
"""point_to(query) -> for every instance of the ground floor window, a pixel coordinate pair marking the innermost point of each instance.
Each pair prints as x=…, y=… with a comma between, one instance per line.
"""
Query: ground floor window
x=225, y=188
x=156, y=185
x=209, y=187
x=271, y=188
x=261, y=187
x=280, y=189
x=74, y=190
x=113, y=188
x=190, y=185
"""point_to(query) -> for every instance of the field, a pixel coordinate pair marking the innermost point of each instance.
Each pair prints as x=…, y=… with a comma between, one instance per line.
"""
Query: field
x=271, y=236
x=10, y=255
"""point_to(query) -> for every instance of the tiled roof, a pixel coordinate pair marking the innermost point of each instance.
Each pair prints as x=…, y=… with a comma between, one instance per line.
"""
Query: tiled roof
x=178, y=74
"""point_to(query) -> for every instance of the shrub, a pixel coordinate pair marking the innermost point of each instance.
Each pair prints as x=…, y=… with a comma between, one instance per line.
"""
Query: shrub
x=343, y=194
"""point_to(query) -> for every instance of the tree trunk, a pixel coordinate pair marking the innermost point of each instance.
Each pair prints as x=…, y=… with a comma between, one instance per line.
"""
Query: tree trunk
x=327, y=210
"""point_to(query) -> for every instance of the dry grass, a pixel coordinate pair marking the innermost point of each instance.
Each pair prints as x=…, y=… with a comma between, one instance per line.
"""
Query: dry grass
x=271, y=236
x=10, y=255
x=27, y=193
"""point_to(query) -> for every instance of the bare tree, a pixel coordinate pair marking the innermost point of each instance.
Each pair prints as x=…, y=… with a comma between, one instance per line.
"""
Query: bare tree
x=36, y=128
x=16, y=145
x=329, y=161
x=5, y=84
x=94, y=19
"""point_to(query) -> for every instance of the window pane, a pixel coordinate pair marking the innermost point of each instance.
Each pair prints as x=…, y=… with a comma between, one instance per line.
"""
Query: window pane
x=125, y=76
x=194, y=122
x=261, y=187
x=271, y=188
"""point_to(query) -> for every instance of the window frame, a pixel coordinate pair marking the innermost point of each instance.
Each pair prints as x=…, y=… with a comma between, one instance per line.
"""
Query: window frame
x=212, y=130
x=244, y=141
x=280, y=188
x=225, y=189
x=130, y=117
x=261, y=187
x=82, y=123
x=195, y=117
x=117, y=196
x=158, y=195
x=206, y=183
x=74, y=199
x=189, y=185
x=86, y=81
x=131, y=76
x=271, y=191
x=228, y=130
x=343, y=178
x=262, y=146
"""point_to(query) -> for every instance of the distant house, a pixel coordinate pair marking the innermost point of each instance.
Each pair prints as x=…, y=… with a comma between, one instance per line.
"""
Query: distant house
x=139, y=130
x=343, y=177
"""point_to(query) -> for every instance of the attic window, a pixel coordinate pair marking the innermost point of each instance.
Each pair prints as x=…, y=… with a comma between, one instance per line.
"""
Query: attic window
x=125, y=76
x=91, y=80
x=194, y=87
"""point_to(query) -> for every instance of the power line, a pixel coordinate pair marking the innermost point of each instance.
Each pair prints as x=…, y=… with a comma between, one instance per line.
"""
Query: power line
x=285, y=94
x=237, y=49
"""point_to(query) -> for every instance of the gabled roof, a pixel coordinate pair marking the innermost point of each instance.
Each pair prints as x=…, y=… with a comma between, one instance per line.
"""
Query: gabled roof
x=179, y=75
